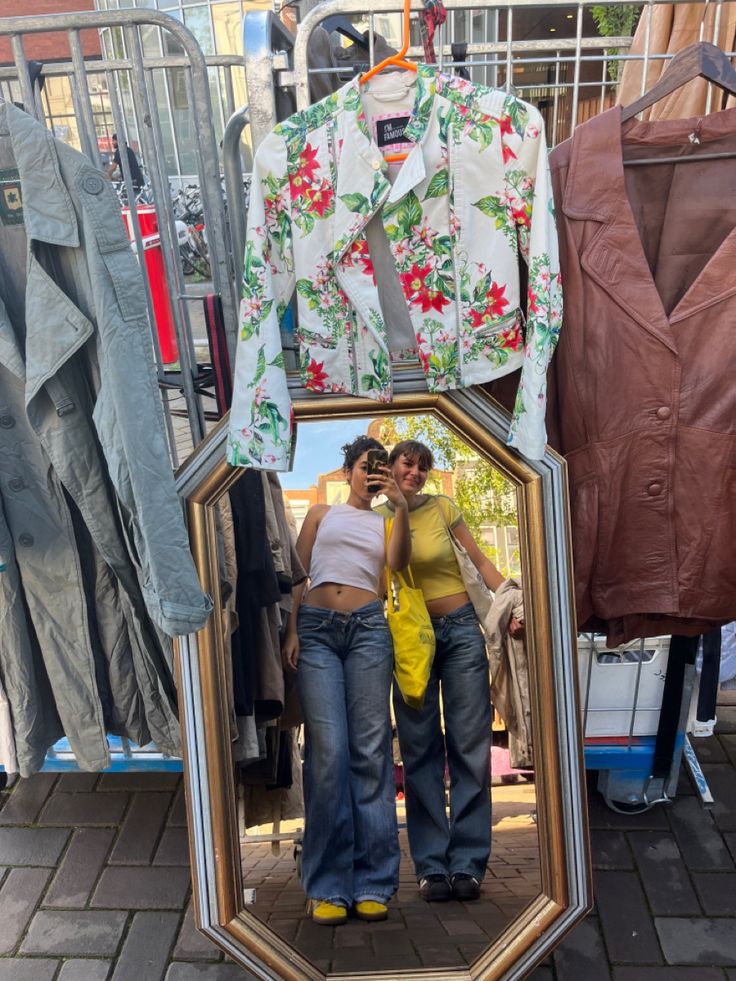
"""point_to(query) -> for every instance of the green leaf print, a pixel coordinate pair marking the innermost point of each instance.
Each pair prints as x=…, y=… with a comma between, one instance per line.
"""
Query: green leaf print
x=409, y=213
x=517, y=113
x=260, y=364
x=358, y=203
x=438, y=186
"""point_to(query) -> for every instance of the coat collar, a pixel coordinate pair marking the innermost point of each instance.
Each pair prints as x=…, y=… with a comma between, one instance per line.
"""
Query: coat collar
x=362, y=185
x=595, y=190
x=47, y=208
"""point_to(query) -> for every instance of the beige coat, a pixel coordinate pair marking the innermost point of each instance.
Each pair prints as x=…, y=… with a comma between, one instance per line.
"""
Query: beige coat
x=673, y=27
x=510, y=672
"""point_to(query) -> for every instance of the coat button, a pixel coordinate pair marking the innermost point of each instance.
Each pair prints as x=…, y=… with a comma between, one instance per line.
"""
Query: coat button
x=93, y=184
x=25, y=539
x=7, y=422
x=664, y=412
x=376, y=164
x=654, y=489
x=16, y=484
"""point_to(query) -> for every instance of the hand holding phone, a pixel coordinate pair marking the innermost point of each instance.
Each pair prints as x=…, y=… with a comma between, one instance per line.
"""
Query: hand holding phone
x=376, y=461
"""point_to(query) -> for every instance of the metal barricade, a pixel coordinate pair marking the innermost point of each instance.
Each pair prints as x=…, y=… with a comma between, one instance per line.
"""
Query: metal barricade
x=130, y=80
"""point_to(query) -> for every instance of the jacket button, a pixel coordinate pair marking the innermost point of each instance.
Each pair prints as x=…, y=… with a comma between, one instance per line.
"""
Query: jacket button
x=25, y=539
x=93, y=184
x=16, y=484
x=376, y=164
x=664, y=412
x=654, y=489
x=7, y=422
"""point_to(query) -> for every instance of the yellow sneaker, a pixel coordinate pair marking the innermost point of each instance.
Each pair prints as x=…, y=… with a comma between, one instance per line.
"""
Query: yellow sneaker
x=327, y=914
x=367, y=909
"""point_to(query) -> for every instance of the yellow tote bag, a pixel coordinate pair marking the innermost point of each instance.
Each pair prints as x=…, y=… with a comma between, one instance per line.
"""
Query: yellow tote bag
x=413, y=636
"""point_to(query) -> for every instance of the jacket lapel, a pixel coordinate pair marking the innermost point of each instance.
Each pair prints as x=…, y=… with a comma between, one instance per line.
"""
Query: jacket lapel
x=614, y=258
x=714, y=284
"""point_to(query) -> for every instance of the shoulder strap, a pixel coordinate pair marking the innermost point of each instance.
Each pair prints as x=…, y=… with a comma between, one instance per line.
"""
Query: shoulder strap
x=388, y=524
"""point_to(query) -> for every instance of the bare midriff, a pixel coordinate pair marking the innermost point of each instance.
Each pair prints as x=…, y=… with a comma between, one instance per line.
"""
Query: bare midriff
x=336, y=596
x=446, y=604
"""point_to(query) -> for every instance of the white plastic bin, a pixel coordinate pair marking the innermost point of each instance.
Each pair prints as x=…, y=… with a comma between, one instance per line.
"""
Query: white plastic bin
x=621, y=688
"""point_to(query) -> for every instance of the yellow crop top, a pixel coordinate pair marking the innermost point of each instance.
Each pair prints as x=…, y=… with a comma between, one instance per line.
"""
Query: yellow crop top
x=433, y=563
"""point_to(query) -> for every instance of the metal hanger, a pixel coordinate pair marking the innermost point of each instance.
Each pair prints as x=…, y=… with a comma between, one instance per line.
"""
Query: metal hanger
x=699, y=60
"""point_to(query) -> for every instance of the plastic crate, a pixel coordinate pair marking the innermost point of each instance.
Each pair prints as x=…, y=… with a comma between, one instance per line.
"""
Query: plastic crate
x=621, y=688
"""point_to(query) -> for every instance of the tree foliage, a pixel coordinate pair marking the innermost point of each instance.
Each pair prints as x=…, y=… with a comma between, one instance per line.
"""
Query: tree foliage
x=482, y=493
x=615, y=20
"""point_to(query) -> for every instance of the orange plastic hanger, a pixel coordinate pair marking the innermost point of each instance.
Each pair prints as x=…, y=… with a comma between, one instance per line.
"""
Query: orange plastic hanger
x=399, y=61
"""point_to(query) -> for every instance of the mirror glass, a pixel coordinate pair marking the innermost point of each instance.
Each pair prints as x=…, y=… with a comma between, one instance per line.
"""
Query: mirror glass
x=270, y=807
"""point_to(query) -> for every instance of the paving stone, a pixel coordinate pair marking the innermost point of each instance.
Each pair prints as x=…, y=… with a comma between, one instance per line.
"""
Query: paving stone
x=709, y=749
x=703, y=941
x=138, y=780
x=667, y=974
x=87, y=970
x=625, y=918
x=32, y=846
x=663, y=873
x=178, y=816
x=142, y=888
x=722, y=782
x=609, y=850
x=717, y=891
x=75, y=932
x=19, y=897
x=73, y=783
x=581, y=955
x=27, y=798
x=84, y=809
x=191, y=945
x=701, y=845
x=726, y=715
x=80, y=867
x=147, y=946
x=208, y=972
x=173, y=848
x=27, y=969
x=141, y=829
x=729, y=745
x=600, y=815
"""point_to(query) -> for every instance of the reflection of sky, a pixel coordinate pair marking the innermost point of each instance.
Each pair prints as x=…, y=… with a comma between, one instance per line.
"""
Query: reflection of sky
x=318, y=449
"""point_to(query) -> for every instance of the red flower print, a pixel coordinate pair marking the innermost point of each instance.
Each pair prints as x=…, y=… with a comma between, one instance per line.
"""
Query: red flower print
x=316, y=376
x=306, y=172
x=320, y=198
x=495, y=303
x=511, y=338
x=414, y=285
x=508, y=153
x=522, y=216
x=359, y=253
x=505, y=125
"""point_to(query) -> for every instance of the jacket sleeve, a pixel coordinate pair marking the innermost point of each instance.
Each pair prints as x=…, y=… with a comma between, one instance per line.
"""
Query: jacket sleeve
x=260, y=417
x=530, y=199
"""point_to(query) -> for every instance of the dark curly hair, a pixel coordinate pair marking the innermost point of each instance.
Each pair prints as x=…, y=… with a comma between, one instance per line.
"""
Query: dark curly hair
x=353, y=451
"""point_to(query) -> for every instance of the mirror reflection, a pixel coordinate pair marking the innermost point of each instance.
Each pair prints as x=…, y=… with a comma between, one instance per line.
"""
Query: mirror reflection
x=381, y=828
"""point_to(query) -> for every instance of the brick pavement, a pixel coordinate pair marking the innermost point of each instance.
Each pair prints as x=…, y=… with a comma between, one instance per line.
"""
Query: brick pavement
x=94, y=886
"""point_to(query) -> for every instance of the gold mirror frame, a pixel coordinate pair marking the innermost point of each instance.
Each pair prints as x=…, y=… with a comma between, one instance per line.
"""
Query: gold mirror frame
x=544, y=540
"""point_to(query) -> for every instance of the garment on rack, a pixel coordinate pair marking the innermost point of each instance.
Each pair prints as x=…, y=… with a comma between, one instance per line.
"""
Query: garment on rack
x=471, y=198
x=643, y=399
x=87, y=492
x=673, y=27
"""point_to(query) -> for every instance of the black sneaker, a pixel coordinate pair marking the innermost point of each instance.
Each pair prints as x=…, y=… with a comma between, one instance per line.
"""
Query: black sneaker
x=465, y=887
x=435, y=888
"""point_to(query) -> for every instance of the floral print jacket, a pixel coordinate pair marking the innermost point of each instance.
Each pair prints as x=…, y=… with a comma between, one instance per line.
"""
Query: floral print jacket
x=471, y=197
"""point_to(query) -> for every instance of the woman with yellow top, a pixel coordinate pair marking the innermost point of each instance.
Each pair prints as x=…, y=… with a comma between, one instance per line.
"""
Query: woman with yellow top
x=449, y=857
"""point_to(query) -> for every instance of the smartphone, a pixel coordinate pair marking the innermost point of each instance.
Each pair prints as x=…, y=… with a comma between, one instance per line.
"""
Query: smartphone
x=375, y=460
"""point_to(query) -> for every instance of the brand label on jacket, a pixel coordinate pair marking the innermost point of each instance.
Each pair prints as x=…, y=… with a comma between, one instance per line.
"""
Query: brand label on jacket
x=11, y=199
x=390, y=130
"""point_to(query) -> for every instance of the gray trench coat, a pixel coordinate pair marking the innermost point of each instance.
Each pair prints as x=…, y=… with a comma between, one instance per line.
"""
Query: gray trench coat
x=85, y=481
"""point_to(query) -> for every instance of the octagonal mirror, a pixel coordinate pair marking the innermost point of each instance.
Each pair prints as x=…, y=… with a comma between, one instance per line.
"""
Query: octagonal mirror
x=246, y=853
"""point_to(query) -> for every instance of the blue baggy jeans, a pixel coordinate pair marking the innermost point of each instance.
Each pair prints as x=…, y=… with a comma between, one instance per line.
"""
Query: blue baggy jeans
x=351, y=848
x=460, y=669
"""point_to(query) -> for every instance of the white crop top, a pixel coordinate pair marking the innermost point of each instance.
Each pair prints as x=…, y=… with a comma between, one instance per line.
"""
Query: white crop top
x=349, y=549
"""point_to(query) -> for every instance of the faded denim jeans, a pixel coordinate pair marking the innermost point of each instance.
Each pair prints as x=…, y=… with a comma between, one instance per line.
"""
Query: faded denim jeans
x=351, y=848
x=461, y=843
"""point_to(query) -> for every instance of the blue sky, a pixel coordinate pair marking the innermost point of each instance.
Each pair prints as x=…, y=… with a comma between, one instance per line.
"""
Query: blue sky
x=318, y=449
